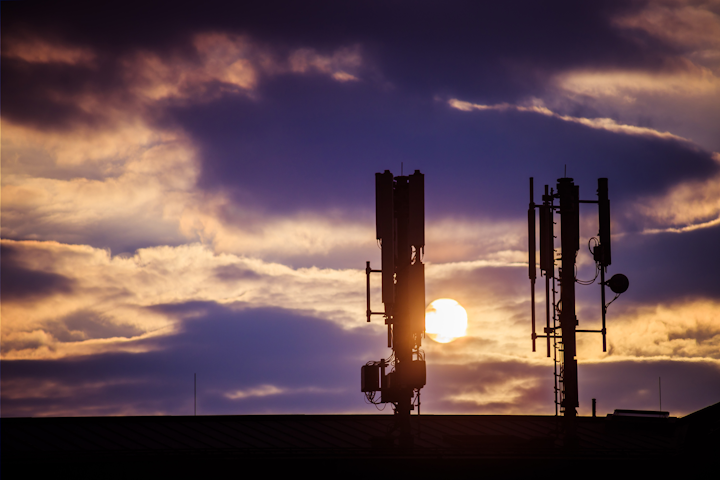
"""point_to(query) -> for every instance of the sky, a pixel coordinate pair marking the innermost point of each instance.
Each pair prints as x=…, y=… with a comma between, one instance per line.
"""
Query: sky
x=189, y=189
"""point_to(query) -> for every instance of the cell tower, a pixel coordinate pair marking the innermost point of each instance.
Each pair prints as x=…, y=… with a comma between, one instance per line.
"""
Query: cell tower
x=400, y=225
x=560, y=319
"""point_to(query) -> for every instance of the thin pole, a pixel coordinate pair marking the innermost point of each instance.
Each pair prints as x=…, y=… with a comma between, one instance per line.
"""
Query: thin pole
x=367, y=288
x=531, y=259
x=660, y=391
x=604, y=307
x=195, y=391
x=547, y=281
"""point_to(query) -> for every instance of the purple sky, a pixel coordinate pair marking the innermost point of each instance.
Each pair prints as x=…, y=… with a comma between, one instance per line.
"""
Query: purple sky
x=192, y=191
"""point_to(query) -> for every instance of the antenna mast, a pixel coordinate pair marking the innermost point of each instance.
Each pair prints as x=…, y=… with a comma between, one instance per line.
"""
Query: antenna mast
x=563, y=328
x=400, y=227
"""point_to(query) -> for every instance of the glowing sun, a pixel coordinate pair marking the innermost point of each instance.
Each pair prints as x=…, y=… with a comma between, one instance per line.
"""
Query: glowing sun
x=445, y=320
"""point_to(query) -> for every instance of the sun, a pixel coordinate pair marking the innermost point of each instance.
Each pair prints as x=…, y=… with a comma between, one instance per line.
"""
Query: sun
x=445, y=320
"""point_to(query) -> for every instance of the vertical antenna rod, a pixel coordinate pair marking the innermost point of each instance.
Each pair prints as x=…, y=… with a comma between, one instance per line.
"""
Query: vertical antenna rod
x=532, y=270
x=605, y=251
x=547, y=258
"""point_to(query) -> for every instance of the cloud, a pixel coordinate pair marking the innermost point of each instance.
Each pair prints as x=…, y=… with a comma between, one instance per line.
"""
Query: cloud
x=668, y=265
x=120, y=188
x=599, y=123
x=129, y=312
x=34, y=50
x=233, y=353
x=261, y=391
x=490, y=386
x=683, y=101
x=506, y=51
x=684, y=206
x=503, y=386
x=110, y=304
x=266, y=390
x=692, y=26
x=24, y=284
x=109, y=173
x=684, y=329
x=338, y=65
x=679, y=93
x=687, y=206
x=227, y=63
x=91, y=87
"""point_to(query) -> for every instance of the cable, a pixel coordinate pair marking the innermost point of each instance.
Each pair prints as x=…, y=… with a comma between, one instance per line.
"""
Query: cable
x=597, y=242
x=597, y=268
x=611, y=301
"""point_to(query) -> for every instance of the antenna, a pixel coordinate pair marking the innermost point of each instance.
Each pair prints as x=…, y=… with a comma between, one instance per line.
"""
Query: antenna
x=195, y=393
x=532, y=271
x=563, y=328
x=400, y=227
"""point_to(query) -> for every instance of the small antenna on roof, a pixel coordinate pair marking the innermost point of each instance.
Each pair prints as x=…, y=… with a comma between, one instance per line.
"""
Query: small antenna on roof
x=565, y=171
x=401, y=169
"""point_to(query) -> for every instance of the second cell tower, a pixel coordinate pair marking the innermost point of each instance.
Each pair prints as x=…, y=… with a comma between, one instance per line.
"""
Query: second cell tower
x=560, y=318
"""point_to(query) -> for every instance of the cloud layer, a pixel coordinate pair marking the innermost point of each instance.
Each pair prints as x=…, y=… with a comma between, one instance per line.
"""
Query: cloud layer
x=193, y=193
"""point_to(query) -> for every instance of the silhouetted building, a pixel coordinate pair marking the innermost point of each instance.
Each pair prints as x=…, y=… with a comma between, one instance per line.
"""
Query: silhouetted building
x=624, y=445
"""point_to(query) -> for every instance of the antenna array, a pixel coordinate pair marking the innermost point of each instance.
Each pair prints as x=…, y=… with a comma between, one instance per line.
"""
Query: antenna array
x=400, y=228
x=560, y=319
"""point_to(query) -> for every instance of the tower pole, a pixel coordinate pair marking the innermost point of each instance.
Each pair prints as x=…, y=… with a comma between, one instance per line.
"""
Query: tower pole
x=570, y=243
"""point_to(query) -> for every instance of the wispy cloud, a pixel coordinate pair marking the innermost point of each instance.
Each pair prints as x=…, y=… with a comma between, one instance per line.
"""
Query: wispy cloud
x=267, y=390
x=598, y=123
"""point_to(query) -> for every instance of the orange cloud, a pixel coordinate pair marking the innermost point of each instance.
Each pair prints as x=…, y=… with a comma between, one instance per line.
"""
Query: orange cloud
x=42, y=51
x=694, y=26
x=687, y=206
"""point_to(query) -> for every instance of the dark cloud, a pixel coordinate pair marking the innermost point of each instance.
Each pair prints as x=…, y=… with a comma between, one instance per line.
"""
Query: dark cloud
x=488, y=51
x=46, y=96
x=669, y=266
x=315, y=362
x=310, y=143
x=86, y=324
x=19, y=283
x=233, y=273
x=307, y=142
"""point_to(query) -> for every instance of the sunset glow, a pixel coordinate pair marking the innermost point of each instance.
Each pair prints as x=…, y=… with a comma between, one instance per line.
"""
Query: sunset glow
x=445, y=320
